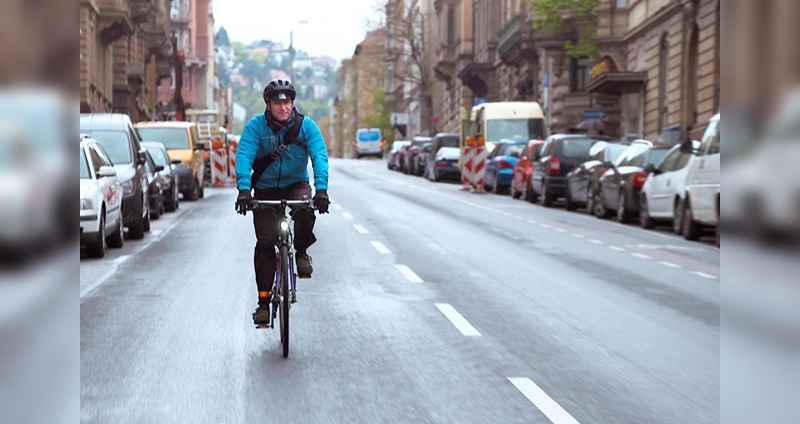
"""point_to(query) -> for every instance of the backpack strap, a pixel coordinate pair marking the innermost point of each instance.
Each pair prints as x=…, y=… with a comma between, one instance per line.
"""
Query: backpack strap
x=261, y=164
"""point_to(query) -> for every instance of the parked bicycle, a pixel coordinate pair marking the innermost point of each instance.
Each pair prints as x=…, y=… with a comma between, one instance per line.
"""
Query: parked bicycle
x=284, y=289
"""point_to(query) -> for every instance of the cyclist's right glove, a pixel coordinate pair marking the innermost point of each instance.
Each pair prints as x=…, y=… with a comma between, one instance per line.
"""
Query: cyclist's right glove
x=243, y=201
x=321, y=201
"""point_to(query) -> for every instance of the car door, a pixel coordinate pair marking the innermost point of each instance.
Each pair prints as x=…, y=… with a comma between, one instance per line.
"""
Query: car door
x=103, y=183
x=704, y=202
x=112, y=188
x=659, y=196
x=491, y=163
x=542, y=164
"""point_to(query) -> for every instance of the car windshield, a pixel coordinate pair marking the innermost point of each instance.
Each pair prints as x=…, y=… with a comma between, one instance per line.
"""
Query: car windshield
x=84, y=166
x=448, y=153
x=515, y=149
x=576, y=147
x=369, y=136
x=115, y=143
x=514, y=129
x=159, y=157
x=171, y=138
x=614, y=150
x=448, y=142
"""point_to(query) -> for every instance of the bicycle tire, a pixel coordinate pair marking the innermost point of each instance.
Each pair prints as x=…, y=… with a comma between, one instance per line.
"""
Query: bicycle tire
x=286, y=297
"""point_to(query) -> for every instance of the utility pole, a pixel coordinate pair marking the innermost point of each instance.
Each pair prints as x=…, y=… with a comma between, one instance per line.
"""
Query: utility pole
x=291, y=56
x=177, y=66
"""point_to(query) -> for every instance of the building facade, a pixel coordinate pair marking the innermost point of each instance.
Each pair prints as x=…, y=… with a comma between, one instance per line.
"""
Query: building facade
x=125, y=52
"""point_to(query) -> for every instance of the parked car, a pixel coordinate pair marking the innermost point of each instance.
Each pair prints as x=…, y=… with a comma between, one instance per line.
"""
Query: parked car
x=701, y=204
x=410, y=154
x=620, y=186
x=560, y=154
x=500, y=164
x=114, y=131
x=444, y=165
x=665, y=188
x=182, y=142
x=170, y=178
x=101, y=200
x=582, y=180
x=521, y=179
x=445, y=140
x=155, y=187
x=393, y=161
x=424, y=156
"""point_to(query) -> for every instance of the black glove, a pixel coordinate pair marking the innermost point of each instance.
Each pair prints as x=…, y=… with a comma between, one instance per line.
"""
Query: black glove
x=321, y=201
x=243, y=201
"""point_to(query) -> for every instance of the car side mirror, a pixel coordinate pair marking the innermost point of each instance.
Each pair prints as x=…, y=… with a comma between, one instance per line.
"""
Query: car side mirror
x=106, y=171
x=142, y=157
x=159, y=168
x=687, y=147
x=651, y=169
x=175, y=161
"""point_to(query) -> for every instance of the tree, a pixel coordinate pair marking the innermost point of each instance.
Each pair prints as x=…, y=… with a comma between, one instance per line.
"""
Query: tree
x=381, y=119
x=550, y=17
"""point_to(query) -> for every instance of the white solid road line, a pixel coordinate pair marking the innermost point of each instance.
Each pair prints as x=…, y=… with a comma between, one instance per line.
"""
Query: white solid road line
x=457, y=319
x=360, y=228
x=550, y=408
x=336, y=206
x=641, y=256
x=670, y=264
x=408, y=273
x=347, y=215
x=380, y=247
x=704, y=275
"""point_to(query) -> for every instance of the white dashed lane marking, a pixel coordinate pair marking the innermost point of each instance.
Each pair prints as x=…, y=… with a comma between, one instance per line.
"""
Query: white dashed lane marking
x=550, y=408
x=457, y=319
x=704, y=275
x=596, y=241
x=360, y=228
x=670, y=264
x=617, y=248
x=347, y=215
x=641, y=256
x=408, y=273
x=380, y=247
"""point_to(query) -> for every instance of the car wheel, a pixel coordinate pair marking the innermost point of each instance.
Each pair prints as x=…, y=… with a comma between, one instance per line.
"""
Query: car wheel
x=194, y=194
x=515, y=194
x=644, y=214
x=589, y=201
x=97, y=249
x=202, y=192
x=117, y=239
x=495, y=187
x=146, y=219
x=677, y=217
x=570, y=205
x=532, y=196
x=623, y=215
x=155, y=213
x=691, y=229
x=547, y=198
x=599, y=208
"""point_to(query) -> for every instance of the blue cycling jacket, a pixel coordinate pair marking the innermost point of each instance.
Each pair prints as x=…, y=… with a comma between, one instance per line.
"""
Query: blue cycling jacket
x=258, y=140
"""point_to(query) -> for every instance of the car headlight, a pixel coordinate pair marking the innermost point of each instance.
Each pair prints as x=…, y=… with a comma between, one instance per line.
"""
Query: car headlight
x=87, y=204
x=127, y=187
x=284, y=225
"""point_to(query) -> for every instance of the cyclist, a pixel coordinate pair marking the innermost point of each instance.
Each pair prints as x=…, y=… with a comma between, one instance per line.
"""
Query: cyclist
x=276, y=147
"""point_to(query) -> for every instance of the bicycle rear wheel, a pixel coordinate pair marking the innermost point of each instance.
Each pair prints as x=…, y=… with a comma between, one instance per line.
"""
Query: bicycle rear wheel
x=286, y=297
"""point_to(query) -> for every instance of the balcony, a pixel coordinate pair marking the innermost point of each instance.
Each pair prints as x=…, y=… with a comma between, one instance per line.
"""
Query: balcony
x=142, y=11
x=114, y=20
x=445, y=63
x=516, y=41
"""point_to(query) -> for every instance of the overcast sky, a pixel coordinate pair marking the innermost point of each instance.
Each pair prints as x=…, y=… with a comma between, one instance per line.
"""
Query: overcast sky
x=334, y=27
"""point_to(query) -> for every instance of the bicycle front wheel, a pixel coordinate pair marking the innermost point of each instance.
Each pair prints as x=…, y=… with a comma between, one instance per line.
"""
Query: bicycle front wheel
x=286, y=297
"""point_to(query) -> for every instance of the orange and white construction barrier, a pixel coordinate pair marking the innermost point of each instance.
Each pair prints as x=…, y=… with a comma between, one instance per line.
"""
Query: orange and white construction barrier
x=467, y=165
x=232, y=162
x=219, y=166
x=479, y=169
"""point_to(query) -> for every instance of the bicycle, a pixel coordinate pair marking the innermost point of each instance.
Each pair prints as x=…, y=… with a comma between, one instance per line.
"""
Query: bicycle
x=284, y=289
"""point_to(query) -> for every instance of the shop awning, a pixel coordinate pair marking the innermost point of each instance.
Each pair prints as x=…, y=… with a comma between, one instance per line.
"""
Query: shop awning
x=616, y=82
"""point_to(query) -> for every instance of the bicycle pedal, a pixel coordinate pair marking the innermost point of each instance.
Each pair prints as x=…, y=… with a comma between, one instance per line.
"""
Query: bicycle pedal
x=304, y=277
x=260, y=326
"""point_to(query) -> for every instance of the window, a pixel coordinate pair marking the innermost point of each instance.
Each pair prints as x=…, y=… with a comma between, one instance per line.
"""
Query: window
x=683, y=159
x=101, y=155
x=662, y=81
x=172, y=138
x=85, y=173
x=451, y=26
x=669, y=162
x=580, y=74
x=654, y=156
x=115, y=143
x=621, y=4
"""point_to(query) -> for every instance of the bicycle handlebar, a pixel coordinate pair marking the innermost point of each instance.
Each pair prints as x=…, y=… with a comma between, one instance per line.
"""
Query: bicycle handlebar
x=255, y=204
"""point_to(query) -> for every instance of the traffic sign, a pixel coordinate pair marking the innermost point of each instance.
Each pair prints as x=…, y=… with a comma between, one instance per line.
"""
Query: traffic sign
x=594, y=114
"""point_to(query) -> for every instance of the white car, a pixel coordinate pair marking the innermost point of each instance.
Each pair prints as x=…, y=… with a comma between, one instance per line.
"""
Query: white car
x=701, y=204
x=101, y=201
x=665, y=188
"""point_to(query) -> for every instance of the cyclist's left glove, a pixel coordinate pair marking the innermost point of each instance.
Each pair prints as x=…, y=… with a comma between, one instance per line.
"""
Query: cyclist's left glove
x=243, y=201
x=321, y=201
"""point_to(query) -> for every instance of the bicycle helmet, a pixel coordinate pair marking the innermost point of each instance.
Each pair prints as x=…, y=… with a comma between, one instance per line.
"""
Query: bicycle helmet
x=278, y=86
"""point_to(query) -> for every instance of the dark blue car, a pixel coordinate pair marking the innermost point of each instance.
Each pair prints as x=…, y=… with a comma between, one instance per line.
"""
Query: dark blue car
x=500, y=164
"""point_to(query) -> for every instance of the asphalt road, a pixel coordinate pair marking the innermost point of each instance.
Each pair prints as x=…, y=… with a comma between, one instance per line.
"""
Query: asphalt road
x=428, y=304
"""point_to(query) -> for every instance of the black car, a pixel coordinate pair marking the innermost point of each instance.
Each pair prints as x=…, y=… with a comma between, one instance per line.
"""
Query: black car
x=582, y=180
x=620, y=186
x=155, y=187
x=114, y=131
x=444, y=165
x=170, y=177
x=424, y=156
x=409, y=154
x=559, y=155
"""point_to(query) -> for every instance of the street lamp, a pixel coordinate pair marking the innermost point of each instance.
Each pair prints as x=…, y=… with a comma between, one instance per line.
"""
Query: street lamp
x=291, y=50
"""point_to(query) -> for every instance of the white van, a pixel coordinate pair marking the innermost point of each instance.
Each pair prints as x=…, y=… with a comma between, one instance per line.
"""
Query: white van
x=701, y=206
x=520, y=121
x=369, y=142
